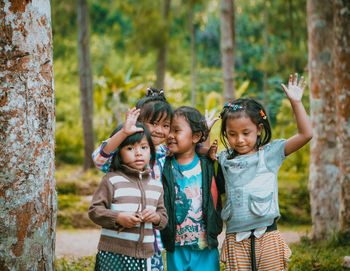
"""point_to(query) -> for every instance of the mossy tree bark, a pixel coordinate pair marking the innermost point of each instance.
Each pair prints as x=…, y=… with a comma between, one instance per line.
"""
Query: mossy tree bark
x=324, y=159
x=28, y=200
x=342, y=90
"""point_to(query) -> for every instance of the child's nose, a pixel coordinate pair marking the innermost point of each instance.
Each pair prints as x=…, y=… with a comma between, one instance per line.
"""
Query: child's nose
x=138, y=151
x=158, y=128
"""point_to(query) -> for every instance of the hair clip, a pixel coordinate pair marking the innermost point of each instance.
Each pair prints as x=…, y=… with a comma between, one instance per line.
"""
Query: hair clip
x=263, y=114
x=234, y=106
x=149, y=92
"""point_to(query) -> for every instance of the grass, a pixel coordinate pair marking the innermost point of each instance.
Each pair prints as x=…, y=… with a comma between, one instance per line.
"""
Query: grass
x=320, y=256
x=307, y=255
x=73, y=186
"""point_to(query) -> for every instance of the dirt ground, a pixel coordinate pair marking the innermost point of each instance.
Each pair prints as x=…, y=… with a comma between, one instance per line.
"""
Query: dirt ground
x=84, y=242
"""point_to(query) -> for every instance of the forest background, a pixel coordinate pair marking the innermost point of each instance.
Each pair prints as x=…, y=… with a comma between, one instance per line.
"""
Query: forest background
x=126, y=41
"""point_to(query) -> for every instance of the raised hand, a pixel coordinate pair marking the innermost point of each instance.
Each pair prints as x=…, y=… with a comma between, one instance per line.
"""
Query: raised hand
x=295, y=90
x=131, y=116
x=210, y=120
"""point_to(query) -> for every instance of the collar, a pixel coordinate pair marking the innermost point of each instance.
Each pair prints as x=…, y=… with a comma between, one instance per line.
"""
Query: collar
x=189, y=166
x=240, y=236
x=135, y=173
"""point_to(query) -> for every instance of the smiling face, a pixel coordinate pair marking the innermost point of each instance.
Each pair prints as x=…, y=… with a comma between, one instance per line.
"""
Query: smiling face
x=181, y=140
x=136, y=155
x=159, y=129
x=242, y=134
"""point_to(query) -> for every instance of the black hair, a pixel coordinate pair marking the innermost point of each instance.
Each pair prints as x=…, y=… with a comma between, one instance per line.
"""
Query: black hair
x=131, y=140
x=195, y=119
x=245, y=107
x=154, y=106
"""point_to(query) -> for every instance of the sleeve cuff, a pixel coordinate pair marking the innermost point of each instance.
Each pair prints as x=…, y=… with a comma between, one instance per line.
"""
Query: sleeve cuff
x=102, y=153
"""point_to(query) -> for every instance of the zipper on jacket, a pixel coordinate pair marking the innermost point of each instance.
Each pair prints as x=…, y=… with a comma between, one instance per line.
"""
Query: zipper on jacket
x=142, y=224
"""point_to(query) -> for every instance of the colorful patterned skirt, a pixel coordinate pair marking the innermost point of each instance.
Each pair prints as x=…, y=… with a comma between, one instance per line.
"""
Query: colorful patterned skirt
x=271, y=252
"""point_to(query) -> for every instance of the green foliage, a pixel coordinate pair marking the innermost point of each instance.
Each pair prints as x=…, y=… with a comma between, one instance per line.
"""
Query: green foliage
x=75, y=264
x=72, y=212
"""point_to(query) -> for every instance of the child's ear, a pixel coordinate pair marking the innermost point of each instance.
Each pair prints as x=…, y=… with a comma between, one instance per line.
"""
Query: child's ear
x=196, y=137
x=260, y=129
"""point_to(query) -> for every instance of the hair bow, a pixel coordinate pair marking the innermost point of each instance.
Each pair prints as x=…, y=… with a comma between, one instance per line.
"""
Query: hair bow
x=234, y=106
x=263, y=114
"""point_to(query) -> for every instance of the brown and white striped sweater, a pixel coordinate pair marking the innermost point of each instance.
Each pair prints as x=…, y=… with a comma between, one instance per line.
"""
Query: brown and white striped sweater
x=122, y=191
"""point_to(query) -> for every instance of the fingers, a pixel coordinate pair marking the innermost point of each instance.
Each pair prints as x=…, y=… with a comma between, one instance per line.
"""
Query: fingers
x=213, y=122
x=300, y=84
x=295, y=79
x=290, y=80
x=284, y=88
x=304, y=85
x=148, y=215
x=213, y=150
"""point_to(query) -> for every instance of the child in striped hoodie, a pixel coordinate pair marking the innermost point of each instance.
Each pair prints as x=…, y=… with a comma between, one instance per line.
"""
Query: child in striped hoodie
x=127, y=204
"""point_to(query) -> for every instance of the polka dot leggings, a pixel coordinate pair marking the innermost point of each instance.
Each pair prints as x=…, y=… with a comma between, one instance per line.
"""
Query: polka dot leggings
x=108, y=261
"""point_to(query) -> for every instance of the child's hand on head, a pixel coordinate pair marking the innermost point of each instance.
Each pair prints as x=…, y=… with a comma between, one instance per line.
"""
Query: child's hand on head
x=131, y=116
x=128, y=219
x=295, y=90
x=210, y=120
x=149, y=215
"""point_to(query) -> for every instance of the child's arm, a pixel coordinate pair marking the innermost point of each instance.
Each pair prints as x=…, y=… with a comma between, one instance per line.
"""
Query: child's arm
x=294, y=92
x=205, y=147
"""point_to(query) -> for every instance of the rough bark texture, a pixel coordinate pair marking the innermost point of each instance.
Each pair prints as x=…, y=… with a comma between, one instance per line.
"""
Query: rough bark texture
x=161, y=60
x=86, y=88
x=28, y=201
x=227, y=32
x=324, y=162
x=342, y=88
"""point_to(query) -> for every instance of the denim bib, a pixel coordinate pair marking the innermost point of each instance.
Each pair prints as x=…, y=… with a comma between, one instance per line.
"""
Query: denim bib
x=251, y=201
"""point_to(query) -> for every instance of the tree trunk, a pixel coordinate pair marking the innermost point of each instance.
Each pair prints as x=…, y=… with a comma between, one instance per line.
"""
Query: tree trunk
x=291, y=27
x=28, y=200
x=194, y=57
x=342, y=89
x=86, y=88
x=324, y=162
x=227, y=29
x=161, y=60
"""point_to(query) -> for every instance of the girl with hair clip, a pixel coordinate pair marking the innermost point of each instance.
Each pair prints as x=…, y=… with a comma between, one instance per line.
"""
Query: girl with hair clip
x=249, y=167
x=190, y=197
x=128, y=203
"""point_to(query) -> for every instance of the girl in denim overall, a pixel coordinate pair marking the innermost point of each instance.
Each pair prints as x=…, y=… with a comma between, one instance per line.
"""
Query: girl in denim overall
x=249, y=167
